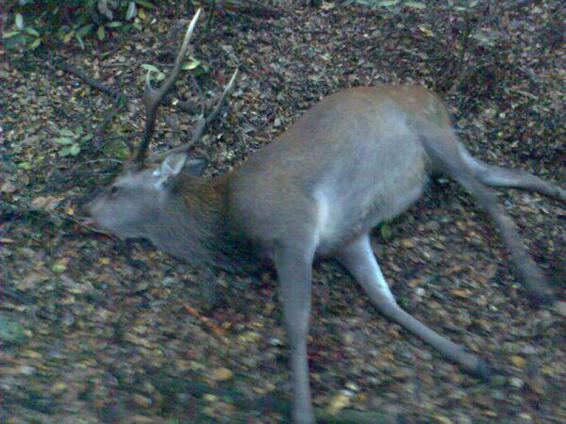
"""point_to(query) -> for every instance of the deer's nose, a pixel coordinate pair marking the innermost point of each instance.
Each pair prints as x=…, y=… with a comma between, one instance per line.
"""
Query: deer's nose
x=86, y=208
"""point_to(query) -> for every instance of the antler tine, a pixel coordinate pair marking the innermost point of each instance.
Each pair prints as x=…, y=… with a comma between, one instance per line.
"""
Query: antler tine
x=153, y=97
x=227, y=89
x=203, y=121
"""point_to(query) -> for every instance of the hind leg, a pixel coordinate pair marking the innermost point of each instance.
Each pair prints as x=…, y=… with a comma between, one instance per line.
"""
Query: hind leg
x=451, y=158
x=497, y=176
x=529, y=272
x=359, y=260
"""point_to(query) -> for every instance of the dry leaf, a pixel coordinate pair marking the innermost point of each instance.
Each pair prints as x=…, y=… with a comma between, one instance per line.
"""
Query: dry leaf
x=221, y=374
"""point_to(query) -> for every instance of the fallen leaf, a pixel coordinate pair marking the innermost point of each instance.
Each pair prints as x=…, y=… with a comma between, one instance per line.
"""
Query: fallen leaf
x=8, y=187
x=517, y=361
x=442, y=419
x=46, y=203
x=337, y=403
x=461, y=293
x=221, y=374
x=407, y=243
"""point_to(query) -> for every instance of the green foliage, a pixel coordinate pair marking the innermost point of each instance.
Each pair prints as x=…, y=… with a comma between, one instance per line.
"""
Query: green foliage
x=47, y=22
x=70, y=141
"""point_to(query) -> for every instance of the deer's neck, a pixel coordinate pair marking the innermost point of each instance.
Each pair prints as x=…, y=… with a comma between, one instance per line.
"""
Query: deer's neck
x=194, y=226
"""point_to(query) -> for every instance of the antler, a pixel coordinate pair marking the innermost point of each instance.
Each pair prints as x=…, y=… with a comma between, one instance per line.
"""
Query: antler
x=203, y=120
x=154, y=97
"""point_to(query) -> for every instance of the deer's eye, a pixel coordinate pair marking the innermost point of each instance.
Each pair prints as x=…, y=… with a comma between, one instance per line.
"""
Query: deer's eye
x=114, y=190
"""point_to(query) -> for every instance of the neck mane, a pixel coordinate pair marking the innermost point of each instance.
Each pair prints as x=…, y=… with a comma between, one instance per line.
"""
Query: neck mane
x=194, y=226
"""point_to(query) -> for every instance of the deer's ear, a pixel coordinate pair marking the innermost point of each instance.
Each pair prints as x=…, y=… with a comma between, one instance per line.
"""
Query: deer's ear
x=196, y=166
x=170, y=167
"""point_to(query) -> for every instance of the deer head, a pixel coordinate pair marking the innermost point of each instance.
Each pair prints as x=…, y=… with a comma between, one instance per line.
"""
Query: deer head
x=145, y=189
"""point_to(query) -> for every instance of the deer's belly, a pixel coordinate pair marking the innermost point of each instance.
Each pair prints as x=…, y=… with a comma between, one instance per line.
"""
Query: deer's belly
x=339, y=223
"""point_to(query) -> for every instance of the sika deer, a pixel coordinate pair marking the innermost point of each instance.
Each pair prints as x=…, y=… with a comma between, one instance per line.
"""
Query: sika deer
x=357, y=158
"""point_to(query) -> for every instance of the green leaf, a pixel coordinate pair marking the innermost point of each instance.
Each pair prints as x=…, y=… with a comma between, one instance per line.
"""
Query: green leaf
x=82, y=31
x=101, y=33
x=64, y=140
x=35, y=44
x=26, y=166
x=65, y=151
x=11, y=331
x=191, y=64
x=385, y=231
x=67, y=37
x=150, y=68
x=132, y=11
x=80, y=40
x=388, y=3
x=31, y=31
x=415, y=5
x=19, y=21
x=87, y=137
x=10, y=34
x=75, y=149
x=114, y=24
x=66, y=133
x=145, y=3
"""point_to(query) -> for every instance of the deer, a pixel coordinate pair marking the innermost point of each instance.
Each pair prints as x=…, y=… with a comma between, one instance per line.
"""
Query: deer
x=358, y=158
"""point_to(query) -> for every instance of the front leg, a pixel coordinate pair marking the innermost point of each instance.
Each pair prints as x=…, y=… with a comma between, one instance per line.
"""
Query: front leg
x=294, y=271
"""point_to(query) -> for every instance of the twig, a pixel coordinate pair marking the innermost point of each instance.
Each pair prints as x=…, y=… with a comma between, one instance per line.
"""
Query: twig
x=70, y=69
x=206, y=321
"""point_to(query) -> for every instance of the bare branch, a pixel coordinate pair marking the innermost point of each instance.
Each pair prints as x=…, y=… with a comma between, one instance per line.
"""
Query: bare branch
x=70, y=69
x=154, y=97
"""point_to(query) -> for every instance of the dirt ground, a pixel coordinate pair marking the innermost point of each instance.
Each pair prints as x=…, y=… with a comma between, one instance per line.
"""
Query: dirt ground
x=93, y=330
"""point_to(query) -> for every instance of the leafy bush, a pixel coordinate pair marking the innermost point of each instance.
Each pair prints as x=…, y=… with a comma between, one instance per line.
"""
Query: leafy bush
x=47, y=22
